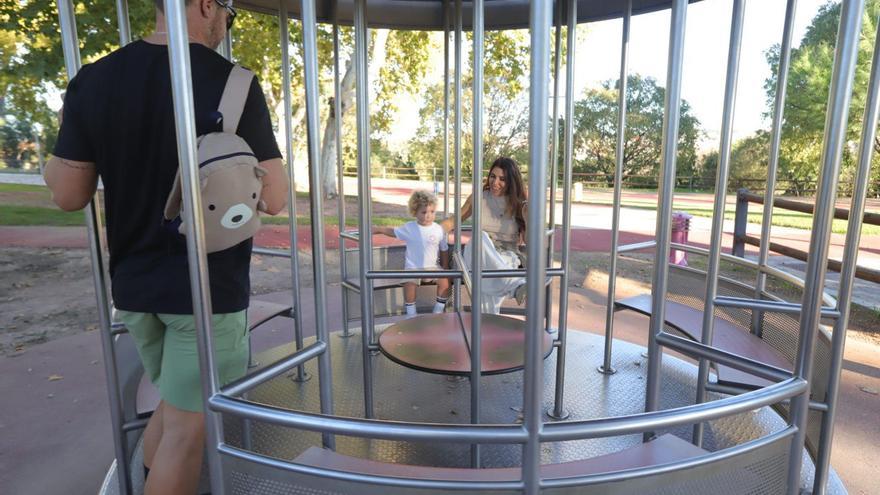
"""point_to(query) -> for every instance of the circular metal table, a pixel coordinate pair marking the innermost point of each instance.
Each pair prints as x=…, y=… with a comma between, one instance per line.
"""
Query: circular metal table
x=441, y=343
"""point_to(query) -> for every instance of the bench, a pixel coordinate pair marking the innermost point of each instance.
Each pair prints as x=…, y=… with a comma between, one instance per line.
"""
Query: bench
x=664, y=449
x=779, y=332
x=727, y=336
x=387, y=293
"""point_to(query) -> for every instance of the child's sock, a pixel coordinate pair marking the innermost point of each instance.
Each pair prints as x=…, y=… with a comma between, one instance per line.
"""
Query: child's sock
x=440, y=305
x=410, y=308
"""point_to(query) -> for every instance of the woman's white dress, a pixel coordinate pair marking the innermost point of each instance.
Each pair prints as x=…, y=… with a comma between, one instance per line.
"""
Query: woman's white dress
x=500, y=234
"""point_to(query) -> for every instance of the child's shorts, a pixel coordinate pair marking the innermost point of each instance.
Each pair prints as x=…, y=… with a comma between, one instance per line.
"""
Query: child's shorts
x=167, y=346
x=418, y=281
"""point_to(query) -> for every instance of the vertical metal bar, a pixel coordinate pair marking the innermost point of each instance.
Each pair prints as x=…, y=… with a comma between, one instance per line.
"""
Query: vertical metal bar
x=184, y=115
x=539, y=26
x=340, y=176
x=773, y=166
x=291, y=198
x=365, y=246
x=606, y=367
x=554, y=151
x=123, y=22
x=839, y=97
x=225, y=47
x=669, y=149
x=740, y=223
x=446, y=11
x=477, y=238
x=457, y=151
x=850, y=258
x=714, y=261
x=72, y=62
x=313, y=125
x=558, y=411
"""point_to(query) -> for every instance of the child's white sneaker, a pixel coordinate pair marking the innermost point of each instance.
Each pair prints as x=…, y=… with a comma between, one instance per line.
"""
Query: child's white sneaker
x=410, y=309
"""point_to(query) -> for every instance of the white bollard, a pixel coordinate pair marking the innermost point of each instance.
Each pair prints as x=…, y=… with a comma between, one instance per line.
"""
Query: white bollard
x=578, y=191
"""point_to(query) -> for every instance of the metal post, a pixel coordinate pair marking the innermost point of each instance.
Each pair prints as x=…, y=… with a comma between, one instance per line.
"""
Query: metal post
x=740, y=222
x=457, y=151
x=365, y=246
x=340, y=176
x=72, y=62
x=225, y=47
x=554, y=152
x=773, y=166
x=123, y=22
x=606, y=367
x=301, y=375
x=558, y=411
x=184, y=116
x=540, y=17
x=476, y=237
x=313, y=125
x=839, y=97
x=671, y=119
x=446, y=12
x=714, y=261
x=850, y=258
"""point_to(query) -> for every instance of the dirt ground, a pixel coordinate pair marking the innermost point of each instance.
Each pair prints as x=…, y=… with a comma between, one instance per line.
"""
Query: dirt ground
x=48, y=293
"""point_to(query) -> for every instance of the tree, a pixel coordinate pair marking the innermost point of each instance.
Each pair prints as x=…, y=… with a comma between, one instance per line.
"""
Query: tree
x=33, y=64
x=595, y=131
x=809, y=79
x=505, y=109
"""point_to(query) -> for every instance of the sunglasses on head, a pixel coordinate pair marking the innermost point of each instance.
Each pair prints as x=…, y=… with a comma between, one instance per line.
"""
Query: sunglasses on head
x=230, y=13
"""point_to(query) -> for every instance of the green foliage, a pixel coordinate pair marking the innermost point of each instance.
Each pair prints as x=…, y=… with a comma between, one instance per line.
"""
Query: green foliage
x=595, y=131
x=505, y=109
x=806, y=103
x=33, y=62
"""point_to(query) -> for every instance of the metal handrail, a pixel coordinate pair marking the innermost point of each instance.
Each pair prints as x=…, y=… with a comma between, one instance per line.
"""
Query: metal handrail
x=509, y=434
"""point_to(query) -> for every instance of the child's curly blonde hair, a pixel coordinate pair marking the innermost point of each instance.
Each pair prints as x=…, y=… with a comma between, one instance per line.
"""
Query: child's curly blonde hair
x=419, y=199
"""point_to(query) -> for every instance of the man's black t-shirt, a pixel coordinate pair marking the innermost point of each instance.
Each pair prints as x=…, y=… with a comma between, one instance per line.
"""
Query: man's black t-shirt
x=118, y=113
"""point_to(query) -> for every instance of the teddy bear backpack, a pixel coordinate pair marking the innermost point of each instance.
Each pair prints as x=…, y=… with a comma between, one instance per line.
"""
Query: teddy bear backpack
x=229, y=175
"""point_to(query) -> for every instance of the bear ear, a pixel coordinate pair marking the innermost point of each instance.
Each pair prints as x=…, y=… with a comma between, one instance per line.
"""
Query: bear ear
x=260, y=171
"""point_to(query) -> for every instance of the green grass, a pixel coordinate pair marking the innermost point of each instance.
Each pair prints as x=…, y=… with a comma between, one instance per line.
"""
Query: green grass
x=23, y=188
x=334, y=220
x=781, y=217
x=36, y=215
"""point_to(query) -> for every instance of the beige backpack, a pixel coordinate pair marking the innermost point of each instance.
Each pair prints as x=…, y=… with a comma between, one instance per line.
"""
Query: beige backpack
x=229, y=175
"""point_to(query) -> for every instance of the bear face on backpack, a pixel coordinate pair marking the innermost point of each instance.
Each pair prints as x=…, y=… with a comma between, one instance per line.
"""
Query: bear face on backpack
x=229, y=176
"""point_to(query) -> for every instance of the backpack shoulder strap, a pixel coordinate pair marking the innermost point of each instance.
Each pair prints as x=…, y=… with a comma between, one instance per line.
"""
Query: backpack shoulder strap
x=234, y=97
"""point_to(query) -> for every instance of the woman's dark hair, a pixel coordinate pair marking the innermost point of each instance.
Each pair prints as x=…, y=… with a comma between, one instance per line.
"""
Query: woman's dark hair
x=516, y=191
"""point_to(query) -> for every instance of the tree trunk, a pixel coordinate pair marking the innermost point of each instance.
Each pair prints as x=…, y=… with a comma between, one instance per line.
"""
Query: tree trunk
x=328, y=144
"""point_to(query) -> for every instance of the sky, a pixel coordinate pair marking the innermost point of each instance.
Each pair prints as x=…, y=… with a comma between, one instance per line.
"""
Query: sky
x=705, y=60
x=707, y=38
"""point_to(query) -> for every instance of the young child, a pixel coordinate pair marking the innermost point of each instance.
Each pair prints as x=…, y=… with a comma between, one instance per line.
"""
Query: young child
x=425, y=244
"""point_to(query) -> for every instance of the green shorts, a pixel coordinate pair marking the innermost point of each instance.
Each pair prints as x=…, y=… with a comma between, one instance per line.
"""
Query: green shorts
x=167, y=346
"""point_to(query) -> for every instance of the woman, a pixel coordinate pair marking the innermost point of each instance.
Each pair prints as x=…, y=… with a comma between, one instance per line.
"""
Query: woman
x=503, y=226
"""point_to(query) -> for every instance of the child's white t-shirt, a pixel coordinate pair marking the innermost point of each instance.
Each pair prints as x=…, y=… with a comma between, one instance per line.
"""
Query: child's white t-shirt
x=423, y=244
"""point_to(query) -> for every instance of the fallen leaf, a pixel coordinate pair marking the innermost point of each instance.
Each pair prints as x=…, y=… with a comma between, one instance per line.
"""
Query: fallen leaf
x=869, y=390
x=55, y=378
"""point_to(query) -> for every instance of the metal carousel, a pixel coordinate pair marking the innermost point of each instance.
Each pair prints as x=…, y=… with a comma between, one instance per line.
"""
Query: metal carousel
x=735, y=393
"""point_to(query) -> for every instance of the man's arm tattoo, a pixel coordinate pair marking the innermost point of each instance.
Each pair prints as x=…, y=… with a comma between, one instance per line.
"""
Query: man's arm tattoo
x=76, y=165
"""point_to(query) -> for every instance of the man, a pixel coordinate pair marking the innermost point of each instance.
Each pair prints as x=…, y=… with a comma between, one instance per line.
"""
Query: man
x=118, y=123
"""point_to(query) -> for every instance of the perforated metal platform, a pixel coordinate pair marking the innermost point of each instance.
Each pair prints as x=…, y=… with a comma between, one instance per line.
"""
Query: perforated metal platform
x=409, y=395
